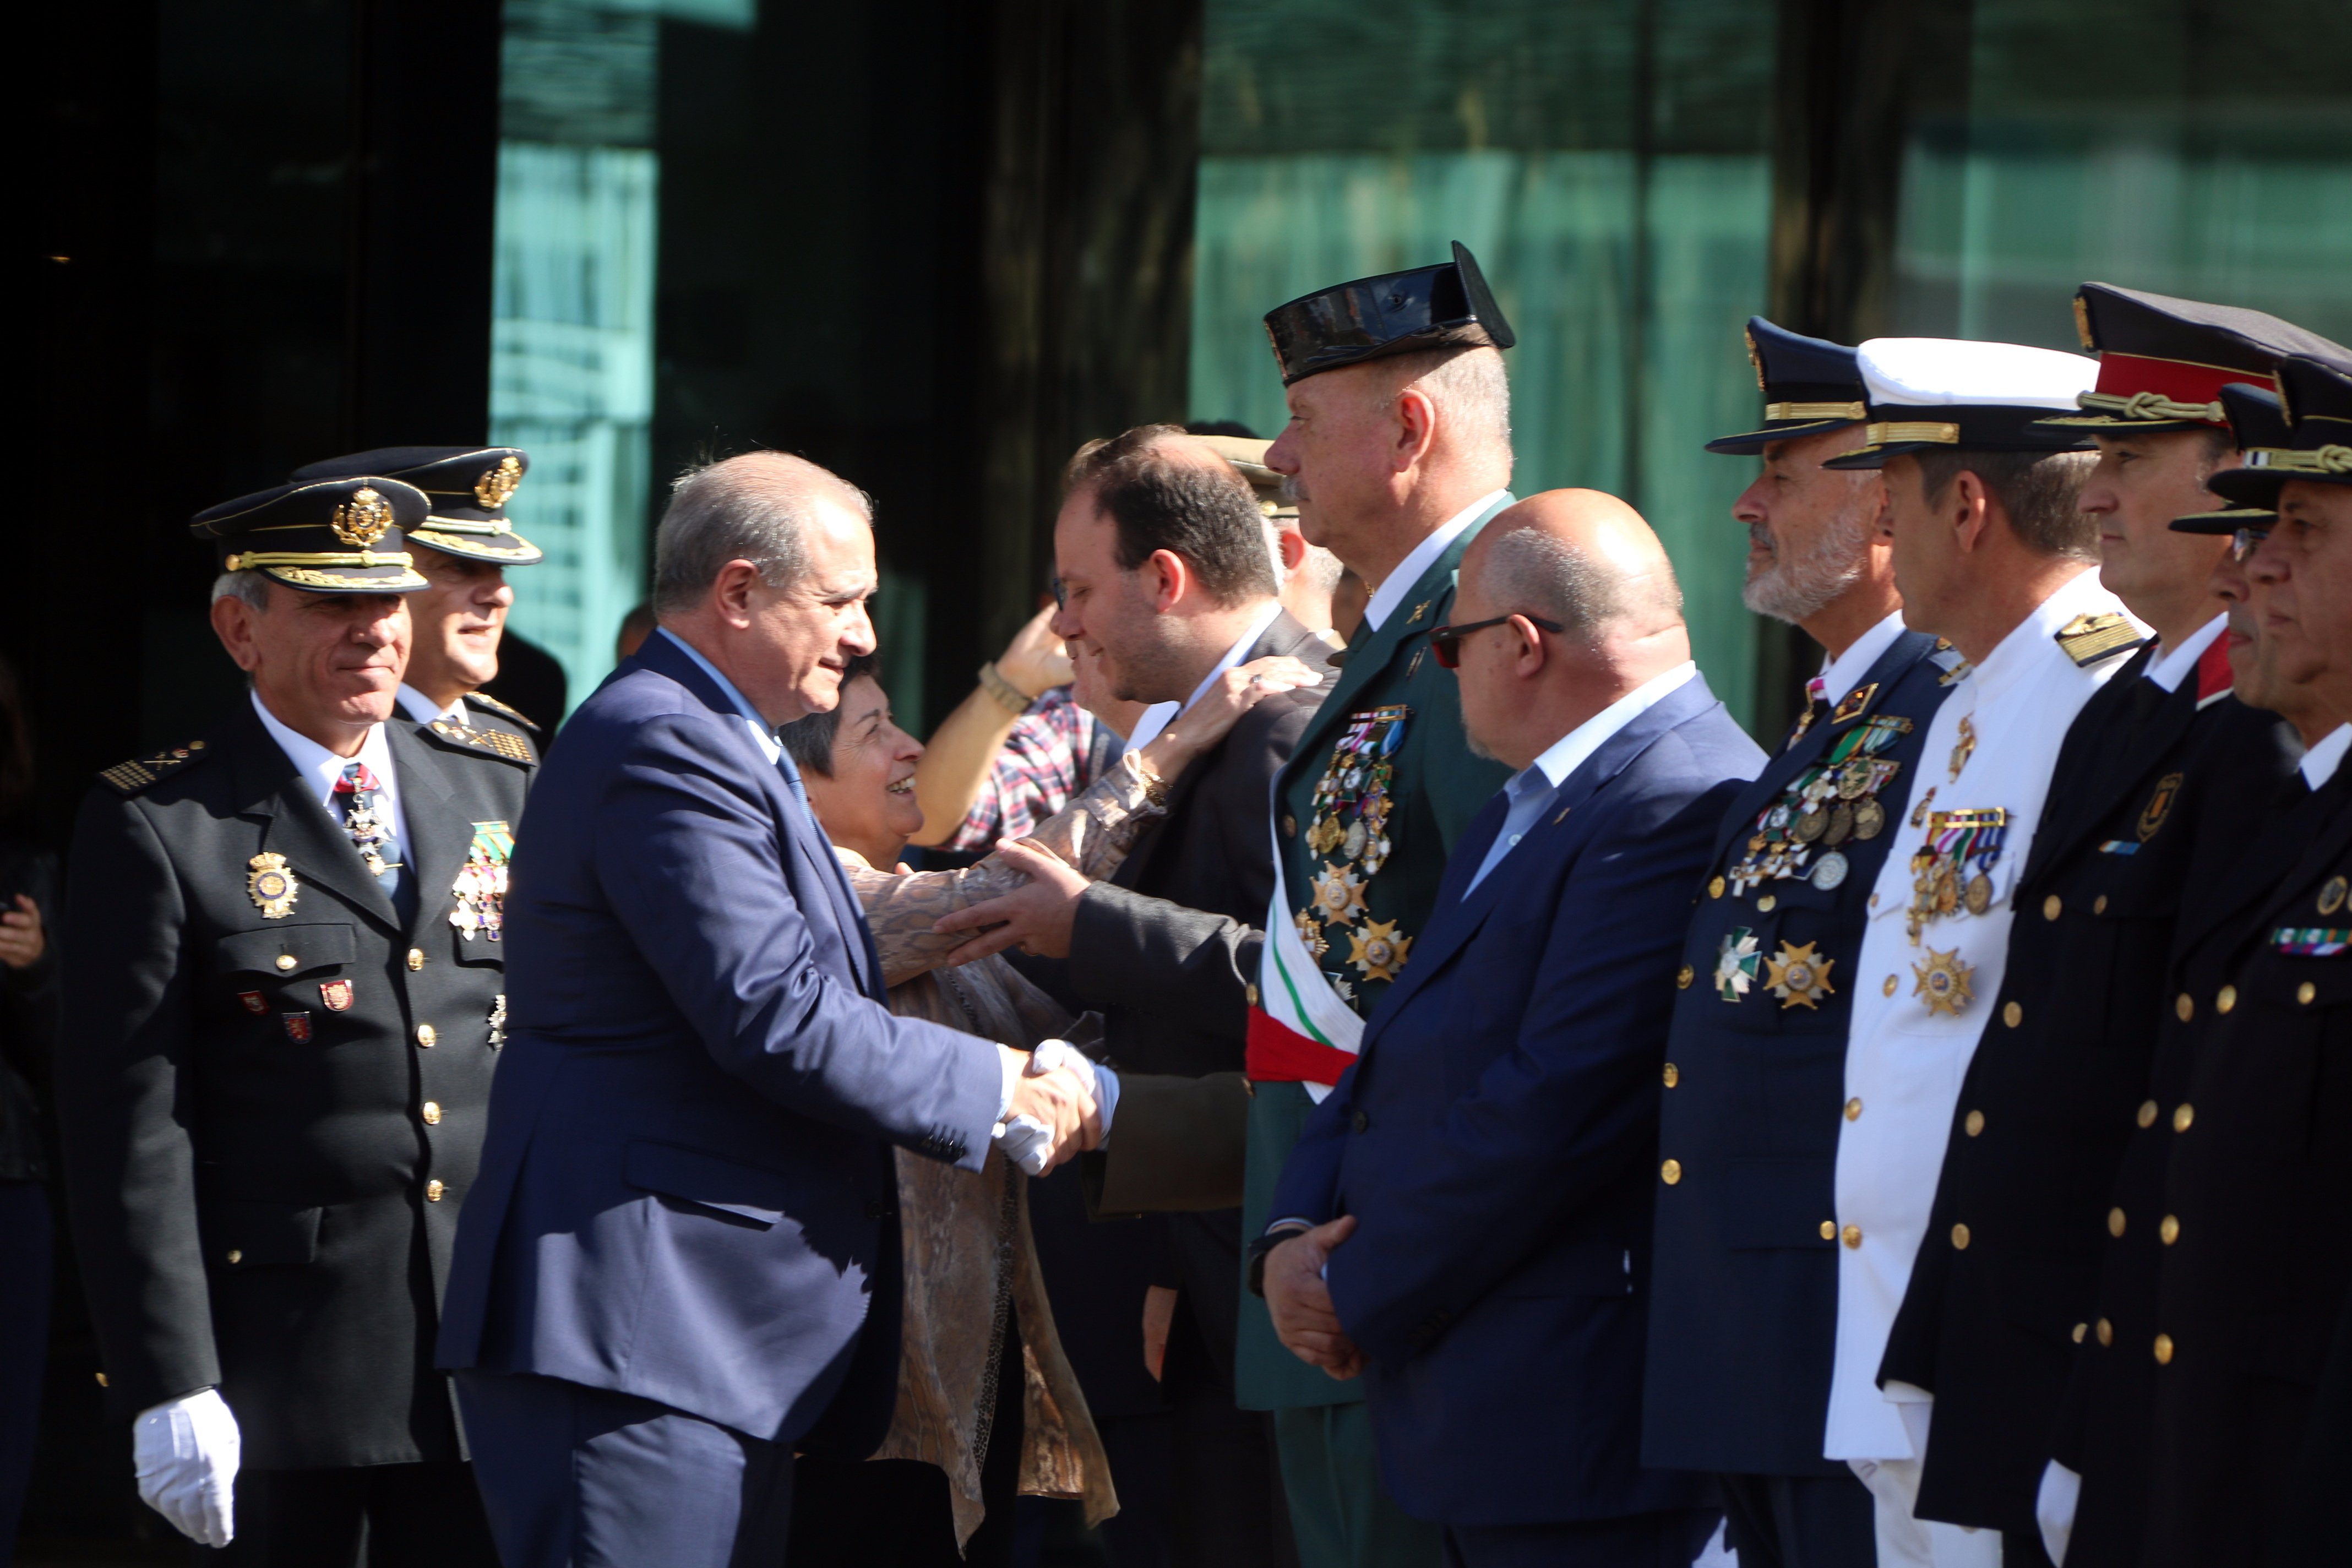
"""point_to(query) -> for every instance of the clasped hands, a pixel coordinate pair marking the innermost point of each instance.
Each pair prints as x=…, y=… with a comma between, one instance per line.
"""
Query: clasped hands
x=1056, y=1111
x=1299, y=1299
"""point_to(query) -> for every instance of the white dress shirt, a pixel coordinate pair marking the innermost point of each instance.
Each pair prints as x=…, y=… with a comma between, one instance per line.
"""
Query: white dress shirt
x=1529, y=788
x=2325, y=755
x=2170, y=664
x=322, y=771
x=1160, y=715
x=1905, y=1063
x=1840, y=675
x=419, y=707
x=1399, y=583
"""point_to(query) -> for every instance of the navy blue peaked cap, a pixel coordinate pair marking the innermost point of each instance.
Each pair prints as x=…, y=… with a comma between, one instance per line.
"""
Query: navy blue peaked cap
x=1810, y=385
x=2317, y=395
x=2258, y=425
x=469, y=485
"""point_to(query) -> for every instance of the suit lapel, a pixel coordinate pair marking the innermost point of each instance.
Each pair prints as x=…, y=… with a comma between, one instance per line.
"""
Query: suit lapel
x=315, y=846
x=2093, y=781
x=440, y=831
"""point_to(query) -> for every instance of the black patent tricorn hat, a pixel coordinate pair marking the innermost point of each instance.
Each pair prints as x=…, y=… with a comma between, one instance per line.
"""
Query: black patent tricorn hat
x=2258, y=425
x=330, y=536
x=1441, y=307
x=468, y=487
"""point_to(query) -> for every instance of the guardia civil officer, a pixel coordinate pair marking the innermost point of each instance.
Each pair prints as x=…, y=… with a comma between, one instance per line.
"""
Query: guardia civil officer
x=2093, y=1492
x=463, y=550
x=284, y=997
x=1991, y=554
x=1744, y=1311
x=1400, y=449
x=2158, y=762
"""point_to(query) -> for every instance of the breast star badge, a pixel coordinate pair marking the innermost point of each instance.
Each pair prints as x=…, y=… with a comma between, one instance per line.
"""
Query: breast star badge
x=1377, y=952
x=1943, y=981
x=1796, y=977
x=1338, y=894
x=270, y=884
x=1735, y=962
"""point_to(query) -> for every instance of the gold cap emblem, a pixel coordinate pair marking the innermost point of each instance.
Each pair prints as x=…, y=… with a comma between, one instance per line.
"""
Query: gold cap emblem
x=362, y=521
x=494, y=487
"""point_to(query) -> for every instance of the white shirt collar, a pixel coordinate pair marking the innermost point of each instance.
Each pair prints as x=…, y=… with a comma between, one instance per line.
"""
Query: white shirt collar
x=1399, y=583
x=1840, y=675
x=1160, y=715
x=322, y=770
x=419, y=707
x=2170, y=664
x=762, y=732
x=2326, y=754
x=1565, y=755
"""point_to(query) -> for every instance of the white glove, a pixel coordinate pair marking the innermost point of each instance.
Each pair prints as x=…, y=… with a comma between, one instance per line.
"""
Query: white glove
x=186, y=1451
x=1027, y=1142
x=2053, y=1510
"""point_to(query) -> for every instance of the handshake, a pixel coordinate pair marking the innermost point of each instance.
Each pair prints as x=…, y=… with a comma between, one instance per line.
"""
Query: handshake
x=1061, y=1105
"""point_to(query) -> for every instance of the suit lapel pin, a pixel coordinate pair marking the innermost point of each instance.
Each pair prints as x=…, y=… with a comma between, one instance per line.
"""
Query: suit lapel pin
x=269, y=883
x=298, y=1027
x=336, y=995
x=254, y=1004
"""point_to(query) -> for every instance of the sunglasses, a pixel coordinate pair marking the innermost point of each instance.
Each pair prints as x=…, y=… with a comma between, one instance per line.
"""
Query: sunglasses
x=1446, y=642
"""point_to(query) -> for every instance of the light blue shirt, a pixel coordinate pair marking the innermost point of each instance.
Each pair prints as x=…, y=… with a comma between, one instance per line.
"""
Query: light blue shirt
x=1531, y=787
x=761, y=731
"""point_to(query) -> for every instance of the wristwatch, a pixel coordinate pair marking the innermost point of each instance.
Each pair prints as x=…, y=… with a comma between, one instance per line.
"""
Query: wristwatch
x=1258, y=1250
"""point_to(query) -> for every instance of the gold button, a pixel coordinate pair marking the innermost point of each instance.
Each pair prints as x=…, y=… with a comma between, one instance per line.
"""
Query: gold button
x=285, y=961
x=1684, y=976
x=102, y=1381
x=1854, y=1109
x=1852, y=1236
x=1959, y=1239
x=1249, y=995
x=2171, y=1229
x=2106, y=1332
x=1673, y=1075
x=433, y=1190
x=2080, y=1330
x=2051, y=907
x=432, y=1114
x=2164, y=1350
x=237, y=1255
x=2183, y=1117
x=1671, y=1171
x=1767, y=904
x=415, y=958
x=2183, y=1008
x=2305, y=992
x=2115, y=1222
x=1975, y=1123
x=1289, y=826
x=1714, y=888
x=424, y=1035
x=1829, y=1230
x=2099, y=905
x=2012, y=1015
x=1889, y=987
x=2226, y=999
x=2148, y=1109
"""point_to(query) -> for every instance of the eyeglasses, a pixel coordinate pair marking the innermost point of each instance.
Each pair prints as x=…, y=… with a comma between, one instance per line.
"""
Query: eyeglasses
x=2245, y=541
x=1446, y=642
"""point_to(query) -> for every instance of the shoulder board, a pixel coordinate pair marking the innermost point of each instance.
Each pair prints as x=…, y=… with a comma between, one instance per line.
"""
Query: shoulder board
x=2087, y=639
x=498, y=742
x=483, y=700
x=132, y=777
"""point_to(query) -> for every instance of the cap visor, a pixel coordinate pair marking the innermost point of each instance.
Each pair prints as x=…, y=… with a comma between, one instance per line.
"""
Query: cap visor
x=347, y=579
x=503, y=549
x=2224, y=522
x=1755, y=441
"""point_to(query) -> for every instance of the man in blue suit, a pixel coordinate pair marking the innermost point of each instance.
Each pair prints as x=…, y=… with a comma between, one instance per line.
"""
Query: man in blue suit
x=1471, y=1204
x=681, y=1258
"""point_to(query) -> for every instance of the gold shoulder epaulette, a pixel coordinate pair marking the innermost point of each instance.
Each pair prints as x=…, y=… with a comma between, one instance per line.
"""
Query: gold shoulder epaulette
x=2086, y=639
x=484, y=699
x=130, y=778
x=513, y=748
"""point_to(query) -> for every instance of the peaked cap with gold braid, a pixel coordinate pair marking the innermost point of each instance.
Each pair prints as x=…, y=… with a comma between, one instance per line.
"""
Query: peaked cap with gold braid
x=469, y=485
x=329, y=536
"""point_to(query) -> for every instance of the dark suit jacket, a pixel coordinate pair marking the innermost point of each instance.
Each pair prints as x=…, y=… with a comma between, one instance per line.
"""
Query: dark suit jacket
x=261, y=1198
x=1495, y=1141
x=2050, y=1098
x=686, y=1192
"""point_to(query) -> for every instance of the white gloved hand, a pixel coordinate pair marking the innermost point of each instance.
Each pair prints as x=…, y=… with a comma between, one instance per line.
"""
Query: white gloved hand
x=186, y=1451
x=2053, y=1510
x=1029, y=1142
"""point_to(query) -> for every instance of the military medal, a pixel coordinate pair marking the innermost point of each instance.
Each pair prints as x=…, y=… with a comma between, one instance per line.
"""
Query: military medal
x=480, y=892
x=1952, y=867
x=1822, y=806
x=498, y=1020
x=1841, y=827
x=1798, y=978
x=1352, y=802
x=1854, y=703
x=1829, y=872
x=2310, y=942
x=270, y=884
x=336, y=995
x=1869, y=819
x=2332, y=895
x=1337, y=895
x=1943, y=980
x=298, y=1027
x=1735, y=963
x=1310, y=933
x=253, y=1003
x=370, y=835
x=1965, y=747
x=1377, y=952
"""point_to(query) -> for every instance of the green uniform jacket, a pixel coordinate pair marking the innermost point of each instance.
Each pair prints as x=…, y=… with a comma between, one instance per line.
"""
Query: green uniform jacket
x=1437, y=787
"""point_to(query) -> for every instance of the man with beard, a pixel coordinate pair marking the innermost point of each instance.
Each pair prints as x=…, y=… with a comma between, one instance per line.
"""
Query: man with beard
x=1744, y=1306
x=462, y=551
x=2162, y=760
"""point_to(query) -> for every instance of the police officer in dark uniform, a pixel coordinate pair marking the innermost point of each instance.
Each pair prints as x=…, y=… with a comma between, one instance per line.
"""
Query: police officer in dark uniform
x=1745, y=1304
x=284, y=996
x=2158, y=759
x=463, y=550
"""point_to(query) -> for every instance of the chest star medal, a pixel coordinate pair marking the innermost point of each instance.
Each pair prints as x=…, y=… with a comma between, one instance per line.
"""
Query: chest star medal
x=1735, y=963
x=1943, y=980
x=1798, y=978
x=1377, y=951
x=269, y=883
x=1339, y=895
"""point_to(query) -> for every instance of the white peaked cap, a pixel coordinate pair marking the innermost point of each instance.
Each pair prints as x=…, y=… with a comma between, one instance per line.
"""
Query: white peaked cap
x=1953, y=373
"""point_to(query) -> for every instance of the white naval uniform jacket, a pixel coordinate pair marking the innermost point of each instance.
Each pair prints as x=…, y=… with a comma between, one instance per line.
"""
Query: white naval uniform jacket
x=1904, y=1063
